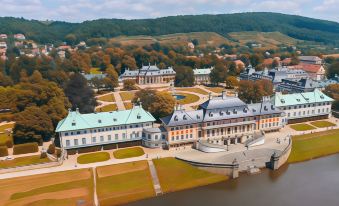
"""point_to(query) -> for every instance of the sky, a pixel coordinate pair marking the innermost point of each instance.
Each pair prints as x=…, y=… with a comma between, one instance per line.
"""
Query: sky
x=82, y=10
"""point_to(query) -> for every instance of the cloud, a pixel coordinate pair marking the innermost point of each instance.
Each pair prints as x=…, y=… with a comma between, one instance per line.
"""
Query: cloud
x=81, y=10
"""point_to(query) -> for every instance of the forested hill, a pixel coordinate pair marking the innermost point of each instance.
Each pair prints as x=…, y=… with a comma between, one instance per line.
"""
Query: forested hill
x=294, y=26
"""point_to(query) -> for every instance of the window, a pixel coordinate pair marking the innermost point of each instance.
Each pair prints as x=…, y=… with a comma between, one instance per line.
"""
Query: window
x=94, y=139
x=116, y=137
x=163, y=137
x=78, y=132
x=123, y=136
x=66, y=134
x=68, y=143
x=156, y=137
x=109, y=137
x=101, y=138
x=83, y=140
x=191, y=136
x=75, y=141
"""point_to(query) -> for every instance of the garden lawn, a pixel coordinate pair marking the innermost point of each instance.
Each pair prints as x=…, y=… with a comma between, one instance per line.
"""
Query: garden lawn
x=107, y=98
x=128, y=152
x=195, y=90
x=215, y=89
x=176, y=175
x=310, y=146
x=107, y=108
x=127, y=96
x=128, y=105
x=4, y=138
x=22, y=161
x=302, y=127
x=122, y=183
x=322, y=124
x=52, y=189
x=6, y=126
x=93, y=157
x=189, y=98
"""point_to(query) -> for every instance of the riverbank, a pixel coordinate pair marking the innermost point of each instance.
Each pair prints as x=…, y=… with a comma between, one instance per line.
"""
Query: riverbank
x=315, y=145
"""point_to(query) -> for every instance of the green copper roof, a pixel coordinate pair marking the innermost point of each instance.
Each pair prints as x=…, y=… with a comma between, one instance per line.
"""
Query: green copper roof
x=280, y=99
x=77, y=121
x=202, y=71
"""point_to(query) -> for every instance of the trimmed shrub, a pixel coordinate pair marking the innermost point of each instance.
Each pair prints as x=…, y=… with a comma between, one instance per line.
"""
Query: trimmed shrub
x=3, y=151
x=71, y=151
x=43, y=155
x=89, y=149
x=9, y=143
x=51, y=149
x=25, y=148
x=58, y=152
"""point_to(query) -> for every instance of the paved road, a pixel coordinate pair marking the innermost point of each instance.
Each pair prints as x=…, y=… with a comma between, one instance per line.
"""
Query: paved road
x=96, y=201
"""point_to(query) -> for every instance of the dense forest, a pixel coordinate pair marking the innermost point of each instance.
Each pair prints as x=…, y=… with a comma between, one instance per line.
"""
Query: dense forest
x=294, y=26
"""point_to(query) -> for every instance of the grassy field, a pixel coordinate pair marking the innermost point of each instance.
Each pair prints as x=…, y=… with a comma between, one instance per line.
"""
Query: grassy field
x=122, y=183
x=52, y=189
x=176, y=175
x=310, y=146
x=302, y=127
x=179, y=39
x=95, y=71
x=189, y=98
x=267, y=39
x=322, y=124
x=107, y=108
x=93, y=157
x=128, y=152
x=215, y=89
x=195, y=90
x=127, y=96
x=128, y=105
x=22, y=161
x=107, y=98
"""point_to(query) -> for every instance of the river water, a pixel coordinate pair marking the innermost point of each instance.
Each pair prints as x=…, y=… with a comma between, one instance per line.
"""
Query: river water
x=311, y=183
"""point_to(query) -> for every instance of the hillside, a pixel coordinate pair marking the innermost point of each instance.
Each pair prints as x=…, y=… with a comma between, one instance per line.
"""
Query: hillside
x=297, y=27
x=204, y=38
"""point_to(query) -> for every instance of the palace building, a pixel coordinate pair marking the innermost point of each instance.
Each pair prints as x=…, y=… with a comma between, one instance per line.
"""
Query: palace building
x=301, y=107
x=202, y=76
x=221, y=120
x=150, y=74
x=117, y=128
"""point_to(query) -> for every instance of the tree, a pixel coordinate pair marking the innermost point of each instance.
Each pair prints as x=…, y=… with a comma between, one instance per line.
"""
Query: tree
x=159, y=104
x=232, y=81
x=36, y=77
x=33, y=124
x=70, y=39
x=232, y=69
x=112, y=79
x=218, y=74
x=5, y=80
x=332, y=91
x=256, y=59
x=333, y=69
x=275, y=63
x=294, y=60
x=184, y=76
x=129, y=62
x=195, y=42
x=250, y=91
x=80, y=94
x=129, y=84
x=97, y=83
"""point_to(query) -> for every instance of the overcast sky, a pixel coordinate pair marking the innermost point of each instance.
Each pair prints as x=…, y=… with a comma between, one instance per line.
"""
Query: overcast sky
x=81, y=10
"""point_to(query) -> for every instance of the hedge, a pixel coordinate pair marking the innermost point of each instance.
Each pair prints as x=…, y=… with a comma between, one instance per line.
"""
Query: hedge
x=3, y=151
x=89, y=149
x=25, y=148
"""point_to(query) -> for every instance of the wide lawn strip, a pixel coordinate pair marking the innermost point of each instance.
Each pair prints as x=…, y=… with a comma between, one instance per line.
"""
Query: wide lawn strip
x=23, y=161
x=310, y=146
x=176, y=175
x=128, y=152
x=123, y=183
x=93, y=157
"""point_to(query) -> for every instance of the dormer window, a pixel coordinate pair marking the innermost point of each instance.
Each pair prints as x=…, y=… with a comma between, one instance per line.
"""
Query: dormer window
x=321, y=96
x=198, y=117
x=184, y=117
x=221, y=113
x=73, y=123
x=234, y=111
x=138, y=116
x=99, y=121
x=114, y=119
x=176, y=118
x=210, y=114
x=282, y=101
x=298, y=100
x=245, y=110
